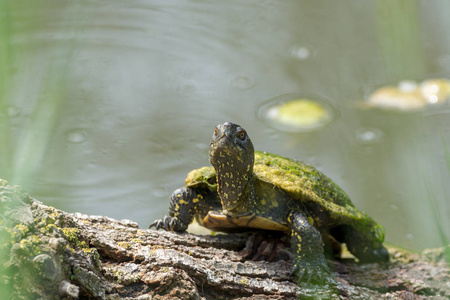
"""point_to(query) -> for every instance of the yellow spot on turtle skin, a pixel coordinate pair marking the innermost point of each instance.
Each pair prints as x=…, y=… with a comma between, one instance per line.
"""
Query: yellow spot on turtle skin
x=274, y=203
x=177, y=207
x=195, y=200
x=311, y=220
x=182, y=201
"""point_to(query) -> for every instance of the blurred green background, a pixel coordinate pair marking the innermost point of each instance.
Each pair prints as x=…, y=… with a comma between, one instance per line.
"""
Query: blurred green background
x=106, y=105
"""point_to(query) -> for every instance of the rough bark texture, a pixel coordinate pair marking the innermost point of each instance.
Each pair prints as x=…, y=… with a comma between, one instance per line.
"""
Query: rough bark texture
x=49, y=254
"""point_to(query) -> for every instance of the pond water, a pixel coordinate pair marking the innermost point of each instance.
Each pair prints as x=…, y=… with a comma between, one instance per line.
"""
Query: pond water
x=107, y=105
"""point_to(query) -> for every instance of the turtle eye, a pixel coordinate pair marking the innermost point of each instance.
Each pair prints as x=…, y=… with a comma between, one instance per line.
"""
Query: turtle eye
x=241, y=135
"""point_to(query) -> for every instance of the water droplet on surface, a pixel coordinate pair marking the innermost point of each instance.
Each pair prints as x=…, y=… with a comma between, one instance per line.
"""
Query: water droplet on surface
x=296, y=113
x=369, y=135
x=409, y=236
x=242, y=82
x=301, y=52
x=76, y=136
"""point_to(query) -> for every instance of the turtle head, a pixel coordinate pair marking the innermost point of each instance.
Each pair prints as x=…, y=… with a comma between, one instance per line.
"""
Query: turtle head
x=231, y=149
x=232, y=155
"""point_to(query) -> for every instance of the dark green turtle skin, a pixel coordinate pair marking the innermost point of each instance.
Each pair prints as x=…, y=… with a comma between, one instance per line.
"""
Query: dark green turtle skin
x=245, y=189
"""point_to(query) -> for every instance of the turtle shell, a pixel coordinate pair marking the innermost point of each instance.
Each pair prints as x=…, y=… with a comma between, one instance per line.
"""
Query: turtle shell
x=301, y=182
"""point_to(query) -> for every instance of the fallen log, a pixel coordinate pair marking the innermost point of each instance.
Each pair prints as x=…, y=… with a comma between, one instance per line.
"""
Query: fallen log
x=46, y=253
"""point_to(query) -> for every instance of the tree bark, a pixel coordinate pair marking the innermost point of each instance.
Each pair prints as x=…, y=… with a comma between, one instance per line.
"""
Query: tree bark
x=46, y=253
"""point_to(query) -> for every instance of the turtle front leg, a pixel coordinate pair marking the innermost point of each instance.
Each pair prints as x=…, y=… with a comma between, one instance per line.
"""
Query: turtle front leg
x=308, y=248
x=182, y=208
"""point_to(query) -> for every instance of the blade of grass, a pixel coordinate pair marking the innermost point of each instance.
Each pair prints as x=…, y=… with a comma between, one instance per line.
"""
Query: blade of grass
x=434, y=209
x=446, y=153
x=38, y=132
x=5, y=141
x=399, y=38
x=5, y=60
x=447, y=160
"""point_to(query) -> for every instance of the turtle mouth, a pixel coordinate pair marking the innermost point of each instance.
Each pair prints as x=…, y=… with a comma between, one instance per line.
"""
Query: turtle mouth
x=224, y=135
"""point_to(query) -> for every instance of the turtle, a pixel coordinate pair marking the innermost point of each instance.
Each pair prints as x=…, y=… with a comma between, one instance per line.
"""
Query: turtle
x=246, y=189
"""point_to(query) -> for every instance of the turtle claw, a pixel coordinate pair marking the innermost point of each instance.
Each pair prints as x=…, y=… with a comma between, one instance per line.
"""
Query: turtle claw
x=313, y=272
x=169, y=224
